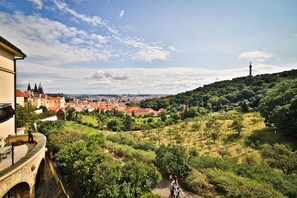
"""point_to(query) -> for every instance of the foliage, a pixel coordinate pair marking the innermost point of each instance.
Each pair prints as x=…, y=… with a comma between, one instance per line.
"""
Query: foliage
x=130, y=180
x=197, y=182
x=279, y=107
x=204, y=162
x=286, y=184
x=238, y=124
x=242, y=91
x=86, y=164
x=235, y=186
x=57, y=136
x=127, y=152
x=143, y=145
x=174, y=160
x=24, y=115
x=281, y=157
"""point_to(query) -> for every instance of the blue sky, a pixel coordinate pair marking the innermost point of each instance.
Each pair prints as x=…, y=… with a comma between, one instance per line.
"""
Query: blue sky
x=129, y=46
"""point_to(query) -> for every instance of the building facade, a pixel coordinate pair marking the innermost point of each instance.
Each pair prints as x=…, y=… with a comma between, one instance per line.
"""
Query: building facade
x=9, y=54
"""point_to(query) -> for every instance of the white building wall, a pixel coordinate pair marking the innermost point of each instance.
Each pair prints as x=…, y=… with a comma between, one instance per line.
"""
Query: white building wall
x=7, y=90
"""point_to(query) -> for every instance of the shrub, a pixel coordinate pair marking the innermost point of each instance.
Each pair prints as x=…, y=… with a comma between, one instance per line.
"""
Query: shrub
x=235, y=186
x=203, y=162
x=197, y=182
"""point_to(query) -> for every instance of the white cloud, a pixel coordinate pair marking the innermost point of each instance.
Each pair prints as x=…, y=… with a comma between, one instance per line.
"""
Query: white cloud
x=258, y=56
x=37, y=3
x=99, y=75
x=147, y=52
x=172, y=80
x=137, y=49
x=52, y=42
x=121, y=14
x=94, y=20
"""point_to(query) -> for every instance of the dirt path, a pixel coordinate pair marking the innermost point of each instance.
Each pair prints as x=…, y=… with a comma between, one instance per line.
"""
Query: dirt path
x=162, y=189
x=49, y=188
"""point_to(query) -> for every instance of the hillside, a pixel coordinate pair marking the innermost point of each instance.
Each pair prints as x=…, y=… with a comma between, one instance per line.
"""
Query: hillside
x=223, y=95
x=232, y=138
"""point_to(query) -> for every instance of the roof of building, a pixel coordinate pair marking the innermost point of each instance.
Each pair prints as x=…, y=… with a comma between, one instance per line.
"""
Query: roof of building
x=10, y=47
x=19, y=93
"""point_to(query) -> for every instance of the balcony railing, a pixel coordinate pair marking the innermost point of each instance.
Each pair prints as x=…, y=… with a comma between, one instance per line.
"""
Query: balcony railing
x=40, y=141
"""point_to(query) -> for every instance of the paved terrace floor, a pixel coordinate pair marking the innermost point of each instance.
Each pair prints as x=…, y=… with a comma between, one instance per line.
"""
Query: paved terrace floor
x=19, y=152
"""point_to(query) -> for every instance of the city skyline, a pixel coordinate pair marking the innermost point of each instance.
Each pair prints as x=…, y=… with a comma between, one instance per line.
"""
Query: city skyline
x=120, y=47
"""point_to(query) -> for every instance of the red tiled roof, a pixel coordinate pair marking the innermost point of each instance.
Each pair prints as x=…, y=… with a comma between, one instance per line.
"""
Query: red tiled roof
x=19, y=93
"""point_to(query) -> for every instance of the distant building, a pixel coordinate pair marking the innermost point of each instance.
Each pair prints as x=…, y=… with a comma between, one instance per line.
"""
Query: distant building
x=9, y=54
x=21, y=97
x=61, y=114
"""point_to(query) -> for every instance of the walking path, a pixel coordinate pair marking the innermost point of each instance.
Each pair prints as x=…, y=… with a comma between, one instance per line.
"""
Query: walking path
x=162, y=189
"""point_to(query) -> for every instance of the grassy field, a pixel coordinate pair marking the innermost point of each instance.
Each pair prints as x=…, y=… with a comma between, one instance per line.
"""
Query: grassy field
x=195, y=134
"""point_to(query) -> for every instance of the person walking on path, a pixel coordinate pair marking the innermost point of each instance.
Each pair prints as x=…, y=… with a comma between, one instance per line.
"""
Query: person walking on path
x=171, y=187
x=30, y=135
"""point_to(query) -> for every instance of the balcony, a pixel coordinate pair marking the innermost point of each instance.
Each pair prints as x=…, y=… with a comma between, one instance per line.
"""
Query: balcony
x=21, y=177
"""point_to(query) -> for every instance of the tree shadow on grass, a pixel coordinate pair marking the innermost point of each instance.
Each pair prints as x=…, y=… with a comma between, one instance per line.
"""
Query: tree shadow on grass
x=269, y=135
x=232, y=138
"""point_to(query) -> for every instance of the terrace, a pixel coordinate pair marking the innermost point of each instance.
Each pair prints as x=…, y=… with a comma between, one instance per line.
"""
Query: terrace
x=21, y=174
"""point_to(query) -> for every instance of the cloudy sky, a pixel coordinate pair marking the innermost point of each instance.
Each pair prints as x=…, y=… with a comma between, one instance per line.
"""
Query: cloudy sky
x=141, y=46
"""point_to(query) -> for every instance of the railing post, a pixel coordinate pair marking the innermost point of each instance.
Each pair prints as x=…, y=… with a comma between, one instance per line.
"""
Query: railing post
x=12, y=153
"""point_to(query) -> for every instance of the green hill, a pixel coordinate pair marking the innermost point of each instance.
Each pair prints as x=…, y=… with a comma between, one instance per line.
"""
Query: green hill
x=245, y=92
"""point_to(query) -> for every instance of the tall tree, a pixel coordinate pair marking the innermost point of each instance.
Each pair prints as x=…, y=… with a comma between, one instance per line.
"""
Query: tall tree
x=281, y=157
x=279, y=107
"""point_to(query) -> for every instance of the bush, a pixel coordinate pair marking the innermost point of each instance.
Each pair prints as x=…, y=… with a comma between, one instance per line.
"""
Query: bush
x=146, y=146
x=283, y=183
x=197, y=182
x=130, y=153
x=235, y=186
x=204, y=162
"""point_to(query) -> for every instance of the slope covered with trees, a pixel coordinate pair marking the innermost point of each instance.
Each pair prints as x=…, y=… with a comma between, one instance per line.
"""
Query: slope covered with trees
x=214, y=139
x=223, y=95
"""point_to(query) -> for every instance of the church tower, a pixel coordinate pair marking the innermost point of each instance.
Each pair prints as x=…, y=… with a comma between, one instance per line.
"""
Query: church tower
x=29, y=87
x=40, y=89
x=250, y=70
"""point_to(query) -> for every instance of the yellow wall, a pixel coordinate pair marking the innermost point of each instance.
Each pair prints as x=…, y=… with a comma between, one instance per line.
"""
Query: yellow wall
x=7, y=89
x=20, y=101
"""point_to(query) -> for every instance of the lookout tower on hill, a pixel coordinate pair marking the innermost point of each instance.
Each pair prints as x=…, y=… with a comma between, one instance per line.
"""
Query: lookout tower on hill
x=250, y=69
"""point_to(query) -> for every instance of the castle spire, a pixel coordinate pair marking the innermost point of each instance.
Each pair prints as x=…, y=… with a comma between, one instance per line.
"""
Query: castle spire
x=29, y=87
x=40, y=89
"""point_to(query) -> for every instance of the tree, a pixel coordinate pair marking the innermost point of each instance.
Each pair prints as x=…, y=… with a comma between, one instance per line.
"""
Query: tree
x=281, y=157
x=163, y=116
x=279, y=107
x=24, y=115
x=70, y=111
x=244, y=107
x=128, y=123
x=174, y=160
x=115, y=125
x=140, y=177
x=215, y=136
x=238, y=124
